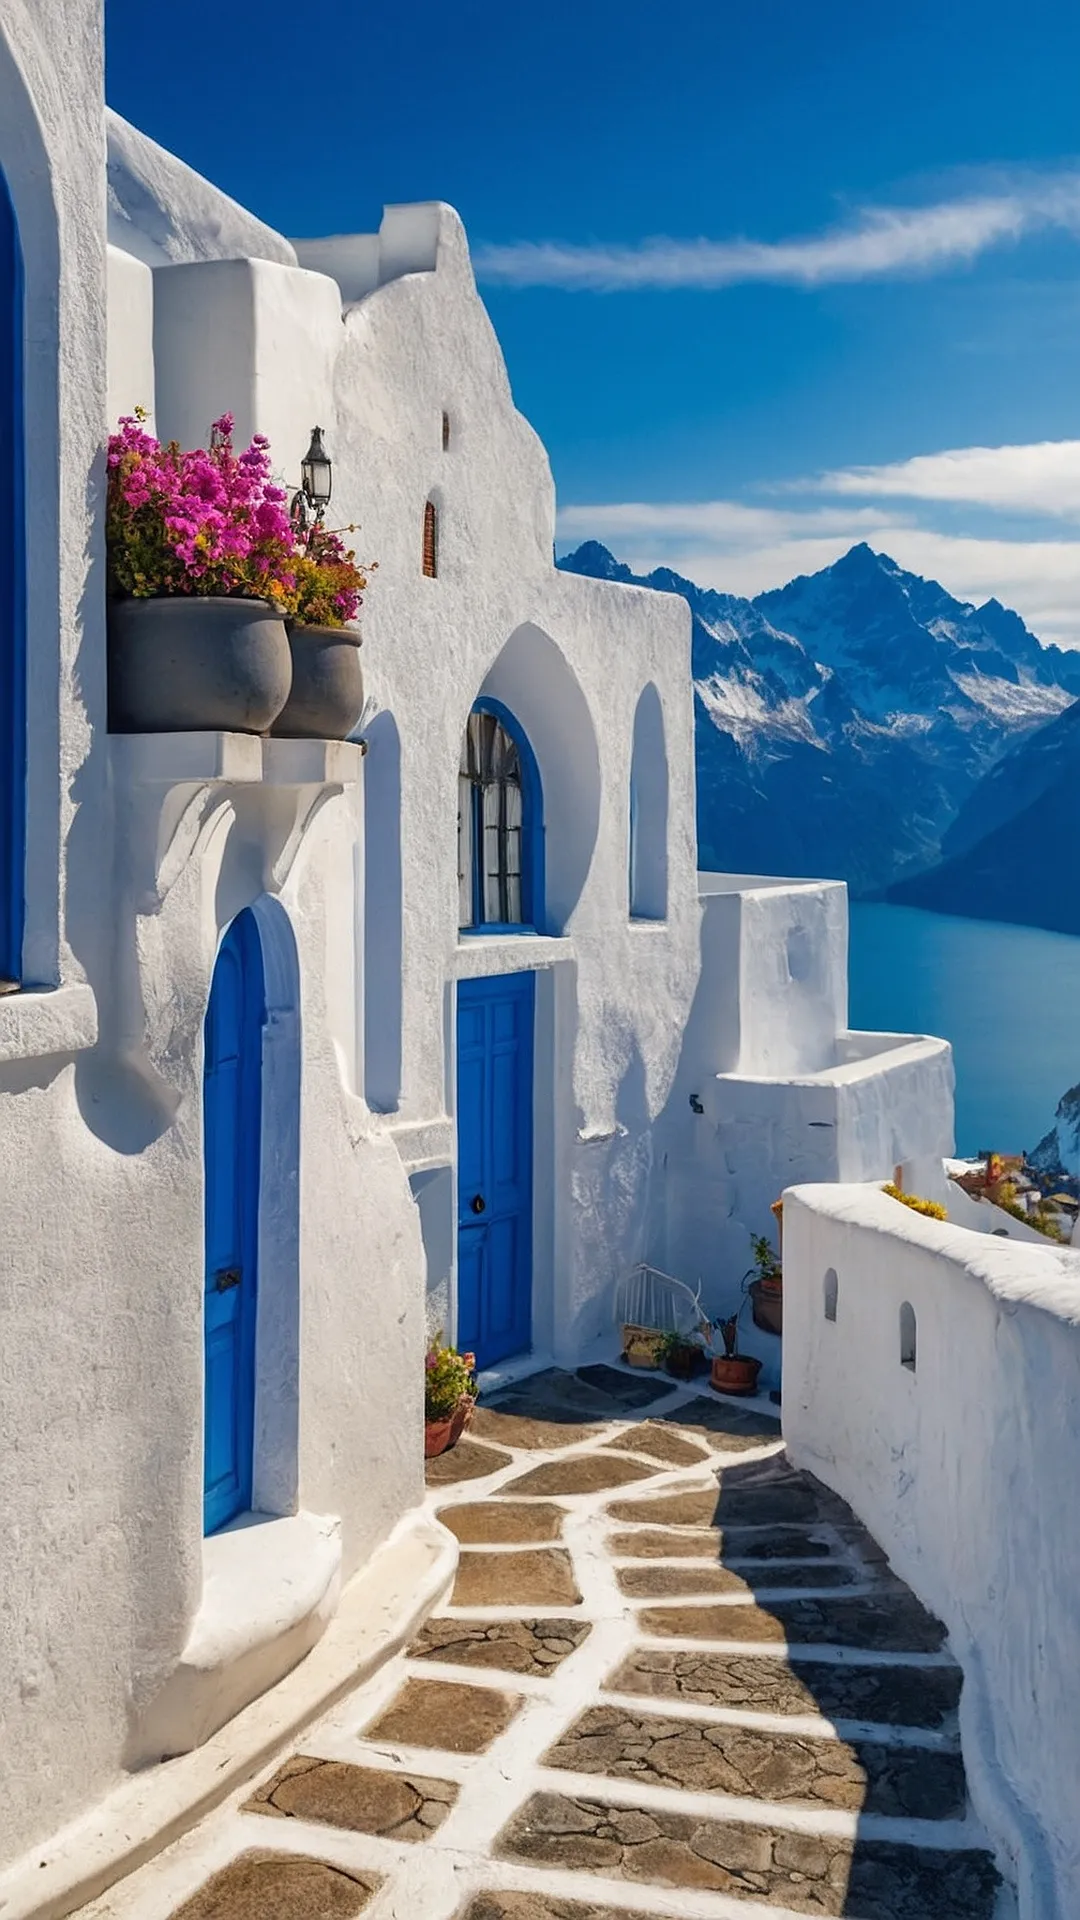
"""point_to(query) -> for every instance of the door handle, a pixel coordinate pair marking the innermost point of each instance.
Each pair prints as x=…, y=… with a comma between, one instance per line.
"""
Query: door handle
x=228, y=1277
x=478, y=1203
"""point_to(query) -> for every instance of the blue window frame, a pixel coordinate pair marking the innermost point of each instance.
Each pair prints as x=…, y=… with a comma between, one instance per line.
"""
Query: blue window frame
x=500, y=826
x=12, y=600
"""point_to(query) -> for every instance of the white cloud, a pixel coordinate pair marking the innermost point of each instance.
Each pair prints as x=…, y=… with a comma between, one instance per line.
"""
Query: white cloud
x=1042, y=478
x=878, y=241
x=723, y=544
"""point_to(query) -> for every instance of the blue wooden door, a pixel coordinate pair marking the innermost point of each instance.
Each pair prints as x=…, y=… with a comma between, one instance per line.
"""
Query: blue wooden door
x=495, y=1105
x=232, y=1125
x=12, y=585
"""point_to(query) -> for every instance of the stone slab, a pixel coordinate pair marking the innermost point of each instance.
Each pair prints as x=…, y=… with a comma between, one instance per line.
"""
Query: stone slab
x=886, y=1696
x=536, y=1577
x=262, y=1885
x=582, y=1473
x=692, y=1508
x=729, y=1428
x=399, y=1806
x=700, y=1757
x=658, y=1442
x=895, y=1623
x=808, y=1873
x=531, y=1430
x=541, y=1906
x=454, y=1719
x=629, y=1391
x=709, y=1543
x=467, y=1461
x=492, y=1523
x=507, y=1646
x=658, y=1583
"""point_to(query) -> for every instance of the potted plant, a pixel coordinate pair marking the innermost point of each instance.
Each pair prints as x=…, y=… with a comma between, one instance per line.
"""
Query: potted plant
x=643, y=1346
x=200, y=575
x=327, y=695
x=681, y=1355
x=732, y=1371
x=766, y=1284
x=449, y=1396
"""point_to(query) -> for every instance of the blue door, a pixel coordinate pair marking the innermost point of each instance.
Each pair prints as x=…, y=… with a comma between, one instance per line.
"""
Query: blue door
x=12, y=610
x=495, y=1104
x=232, y=1124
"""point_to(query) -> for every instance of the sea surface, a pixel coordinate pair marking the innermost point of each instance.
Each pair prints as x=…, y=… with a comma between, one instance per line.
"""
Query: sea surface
x=1008, y=998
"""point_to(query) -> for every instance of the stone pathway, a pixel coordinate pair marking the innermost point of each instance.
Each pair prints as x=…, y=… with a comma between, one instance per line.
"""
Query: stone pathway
x=674, y=1678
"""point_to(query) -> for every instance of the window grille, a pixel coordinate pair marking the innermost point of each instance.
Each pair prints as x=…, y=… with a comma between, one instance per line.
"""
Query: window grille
x=431, y=541
x=490, y=821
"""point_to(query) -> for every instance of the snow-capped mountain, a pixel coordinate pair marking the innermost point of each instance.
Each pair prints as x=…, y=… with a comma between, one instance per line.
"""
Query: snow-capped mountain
x=1059, y=1150
x=843, y=720
x=1013, y=850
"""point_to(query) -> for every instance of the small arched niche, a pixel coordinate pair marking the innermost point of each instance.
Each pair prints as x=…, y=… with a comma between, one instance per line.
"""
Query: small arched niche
x=12, y=599
x=430, y=550
x=908, y=1337
x=832, y=1293
x=648, y=810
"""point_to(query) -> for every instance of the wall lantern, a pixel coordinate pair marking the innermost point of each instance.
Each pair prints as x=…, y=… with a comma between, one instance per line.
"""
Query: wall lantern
x=316, y=481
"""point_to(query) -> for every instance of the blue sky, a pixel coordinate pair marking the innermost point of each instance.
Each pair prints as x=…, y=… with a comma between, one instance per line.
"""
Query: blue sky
x=769, y=278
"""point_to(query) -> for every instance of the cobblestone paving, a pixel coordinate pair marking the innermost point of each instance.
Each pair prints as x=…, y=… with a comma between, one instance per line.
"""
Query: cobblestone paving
x=612, y=1717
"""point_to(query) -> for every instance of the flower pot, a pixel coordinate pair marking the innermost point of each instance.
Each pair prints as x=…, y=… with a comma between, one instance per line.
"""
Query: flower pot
x=461, y=1418
x=641, y=1346
x=735, y=1373
x=684, y=1363
x=327, y=696
x=437, y=1436
x=184, y=664
x=767, y=1304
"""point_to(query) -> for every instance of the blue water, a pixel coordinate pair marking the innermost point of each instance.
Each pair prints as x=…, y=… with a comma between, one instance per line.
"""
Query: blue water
x=1006, y=997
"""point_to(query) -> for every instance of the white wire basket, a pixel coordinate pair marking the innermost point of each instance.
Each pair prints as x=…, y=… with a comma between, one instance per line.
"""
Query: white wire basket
x=650, y=1304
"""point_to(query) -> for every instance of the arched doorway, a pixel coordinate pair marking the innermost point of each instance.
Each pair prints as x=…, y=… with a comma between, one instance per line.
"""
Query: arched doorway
x=232, y=1150
x=12, y=596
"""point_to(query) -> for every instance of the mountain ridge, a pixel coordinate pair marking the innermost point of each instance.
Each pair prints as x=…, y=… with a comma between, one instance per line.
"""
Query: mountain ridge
x=844, y=721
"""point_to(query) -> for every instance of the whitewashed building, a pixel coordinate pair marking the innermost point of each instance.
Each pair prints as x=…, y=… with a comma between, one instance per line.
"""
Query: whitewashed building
x=502, y=1040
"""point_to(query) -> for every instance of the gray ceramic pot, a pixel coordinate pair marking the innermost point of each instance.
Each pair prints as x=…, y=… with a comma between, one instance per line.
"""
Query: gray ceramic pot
x=327, y=695
x=204, y=665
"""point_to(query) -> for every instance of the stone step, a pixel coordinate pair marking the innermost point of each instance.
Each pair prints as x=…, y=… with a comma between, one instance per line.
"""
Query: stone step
x=823, y=1874
x=706, y=1543
x=855, y=1776
x=892, y=1622
x=683, y=1582
x=885, y=1695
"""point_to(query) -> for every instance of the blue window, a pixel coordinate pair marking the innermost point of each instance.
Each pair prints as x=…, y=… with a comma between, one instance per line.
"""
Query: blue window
x=12, y=601
x=500, y=827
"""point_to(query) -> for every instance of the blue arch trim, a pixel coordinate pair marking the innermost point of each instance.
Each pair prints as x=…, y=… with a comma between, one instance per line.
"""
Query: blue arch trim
x=12, y=597
x=532, y=835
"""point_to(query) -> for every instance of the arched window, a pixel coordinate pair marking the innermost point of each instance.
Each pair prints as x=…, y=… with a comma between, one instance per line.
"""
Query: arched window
x=908, y=1337
x=445, y=431
x=648, y=810
x=12, y=608
x=832, y=1291
x=499, y=859
x=431, y=541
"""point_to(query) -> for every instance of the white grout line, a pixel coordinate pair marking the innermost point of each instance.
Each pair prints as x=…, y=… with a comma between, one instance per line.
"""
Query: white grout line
x=822, y=1651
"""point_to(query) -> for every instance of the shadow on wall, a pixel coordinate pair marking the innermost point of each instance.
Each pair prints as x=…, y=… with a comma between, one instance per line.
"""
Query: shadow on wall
x=532, y=678
x=382, y=916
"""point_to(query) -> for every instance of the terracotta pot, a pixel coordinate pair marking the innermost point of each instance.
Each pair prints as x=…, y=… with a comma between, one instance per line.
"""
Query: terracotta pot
x=327, y=696
x=437, y=1436
x=684, y=1364
x=735, y=1373
x=190, y=664
x=461, y=1418
x=767, y=1305
x=641, y=1346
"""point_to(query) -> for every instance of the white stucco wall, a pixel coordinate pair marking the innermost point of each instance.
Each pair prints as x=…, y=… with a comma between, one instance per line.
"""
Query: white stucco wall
x=144, y=851
x=964, y=1470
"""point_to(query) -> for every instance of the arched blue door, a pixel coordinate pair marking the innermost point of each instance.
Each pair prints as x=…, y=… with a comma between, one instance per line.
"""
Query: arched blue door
x=232, y=1127
x=12, y=592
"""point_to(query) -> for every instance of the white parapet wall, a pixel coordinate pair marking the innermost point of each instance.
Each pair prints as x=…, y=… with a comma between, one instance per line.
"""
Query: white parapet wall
x=963, y=1457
